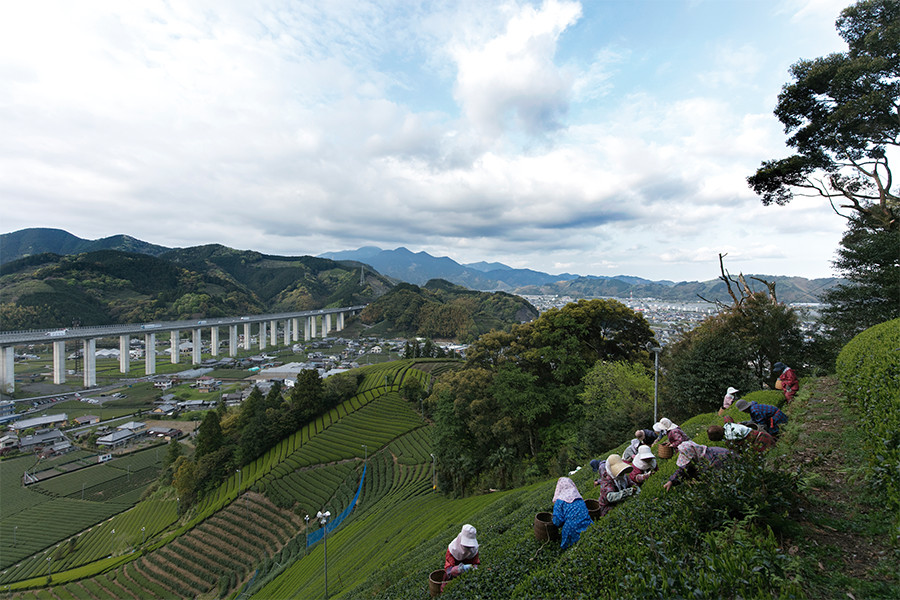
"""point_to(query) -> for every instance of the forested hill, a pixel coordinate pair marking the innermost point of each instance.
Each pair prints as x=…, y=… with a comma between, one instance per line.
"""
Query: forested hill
x=41, y=240
x=110, y=286
x=444, y=310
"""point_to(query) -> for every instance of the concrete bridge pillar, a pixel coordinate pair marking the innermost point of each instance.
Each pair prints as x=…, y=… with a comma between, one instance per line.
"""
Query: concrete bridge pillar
x=307, y=328
x=196, y=346
x=327, y=325
x=262, y=335
x=124, y=353
x=89, y=350
x=324, y=328
x=214, y=341
x=8, y=368
x=246, y=336
x=273, y=333
x=287, y=332
x=295, y=329
x=340, y=321
x=174, y=350
x=59, y=362
x=149, y=354
x=232, y=340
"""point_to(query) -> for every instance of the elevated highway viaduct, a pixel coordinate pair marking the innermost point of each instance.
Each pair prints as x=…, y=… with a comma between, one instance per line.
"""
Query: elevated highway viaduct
x=315, y=323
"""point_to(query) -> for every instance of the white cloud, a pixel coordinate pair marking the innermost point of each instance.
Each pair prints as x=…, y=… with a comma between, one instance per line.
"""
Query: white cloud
x=298, y=128
x=513, y=76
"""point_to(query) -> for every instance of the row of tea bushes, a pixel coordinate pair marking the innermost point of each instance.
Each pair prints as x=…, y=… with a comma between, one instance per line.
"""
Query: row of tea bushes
x=869, y=370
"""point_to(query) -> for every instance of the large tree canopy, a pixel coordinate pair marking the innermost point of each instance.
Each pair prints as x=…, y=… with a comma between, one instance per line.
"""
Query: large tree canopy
x=842, y=112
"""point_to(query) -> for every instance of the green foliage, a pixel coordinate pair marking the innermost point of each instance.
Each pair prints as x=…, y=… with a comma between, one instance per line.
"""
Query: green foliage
x=840, y=111
x=869, y=259
x=617, y=399
x=736, y=348
x=443, y=310
x=869, y=370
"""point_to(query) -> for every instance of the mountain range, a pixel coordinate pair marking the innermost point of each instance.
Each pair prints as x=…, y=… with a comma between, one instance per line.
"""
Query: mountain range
x=420, y=267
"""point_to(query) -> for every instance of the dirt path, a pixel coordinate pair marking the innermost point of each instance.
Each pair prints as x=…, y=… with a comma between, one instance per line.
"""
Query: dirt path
x=845, y=539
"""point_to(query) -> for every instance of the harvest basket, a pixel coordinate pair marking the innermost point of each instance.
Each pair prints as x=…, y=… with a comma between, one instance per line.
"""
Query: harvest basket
x=593, y=507
x=544, y=529
x=436, y=582
x=664, y=451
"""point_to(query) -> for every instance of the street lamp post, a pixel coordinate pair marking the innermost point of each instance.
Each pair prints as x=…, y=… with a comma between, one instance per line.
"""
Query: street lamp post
x=112, y=539
x=323, y=521
x=366, y=459
x=49, y=565
x=143, y=535
x=240, y=476
x=655, y=350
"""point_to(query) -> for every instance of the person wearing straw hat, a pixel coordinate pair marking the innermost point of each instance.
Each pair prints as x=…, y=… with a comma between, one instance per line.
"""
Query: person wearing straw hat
x=692, y=458
x=570, y=513
x=462, y=553
x=765, y=415
x=789, y=384
x=731, y=394
x=615, y=486
x=644, y=465
x=737, y=434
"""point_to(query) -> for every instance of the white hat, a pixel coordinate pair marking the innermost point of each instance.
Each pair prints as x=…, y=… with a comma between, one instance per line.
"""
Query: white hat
x=644, y=452
x=467, y=536
x=666, y=424
x=731, y=391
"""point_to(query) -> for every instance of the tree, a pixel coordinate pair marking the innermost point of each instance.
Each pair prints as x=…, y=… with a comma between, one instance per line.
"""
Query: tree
x=209, y=435
x=842, y=113
x=185, y=481
x=307, y=397
x=617, y=399
x=736, y=348
x=869, y=258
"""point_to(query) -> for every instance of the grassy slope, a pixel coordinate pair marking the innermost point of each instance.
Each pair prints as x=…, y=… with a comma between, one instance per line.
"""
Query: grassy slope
x=388, y=548
x=836, y=548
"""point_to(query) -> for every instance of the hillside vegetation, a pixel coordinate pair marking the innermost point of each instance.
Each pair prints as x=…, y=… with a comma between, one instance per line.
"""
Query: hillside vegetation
x=790, y=524
x=444, y=310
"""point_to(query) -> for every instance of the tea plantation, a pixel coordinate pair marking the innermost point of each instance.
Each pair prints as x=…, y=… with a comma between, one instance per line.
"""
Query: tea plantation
x=737, y=533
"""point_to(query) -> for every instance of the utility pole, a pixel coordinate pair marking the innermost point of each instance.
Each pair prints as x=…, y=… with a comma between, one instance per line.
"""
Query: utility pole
x=323, y=520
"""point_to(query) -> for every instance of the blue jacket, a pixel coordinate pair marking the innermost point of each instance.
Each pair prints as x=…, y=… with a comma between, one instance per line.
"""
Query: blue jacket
x=572, y=518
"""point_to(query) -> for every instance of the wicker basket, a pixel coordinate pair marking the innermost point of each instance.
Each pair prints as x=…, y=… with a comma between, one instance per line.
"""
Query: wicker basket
x=664, y=451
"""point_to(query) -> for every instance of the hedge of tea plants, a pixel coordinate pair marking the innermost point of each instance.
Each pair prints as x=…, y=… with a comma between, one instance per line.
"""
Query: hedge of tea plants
x=869, y=370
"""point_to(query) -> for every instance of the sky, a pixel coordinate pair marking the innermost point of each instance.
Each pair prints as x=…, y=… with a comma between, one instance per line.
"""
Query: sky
x=601, y=137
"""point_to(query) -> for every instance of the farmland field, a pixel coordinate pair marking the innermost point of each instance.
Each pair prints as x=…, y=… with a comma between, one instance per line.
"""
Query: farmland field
x=318, y=467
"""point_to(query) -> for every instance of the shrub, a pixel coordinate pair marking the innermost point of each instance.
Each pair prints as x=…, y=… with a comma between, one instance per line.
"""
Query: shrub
x=869, y=369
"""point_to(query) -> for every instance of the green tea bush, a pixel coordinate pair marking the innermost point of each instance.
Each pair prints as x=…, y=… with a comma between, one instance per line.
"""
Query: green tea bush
x=869, y=370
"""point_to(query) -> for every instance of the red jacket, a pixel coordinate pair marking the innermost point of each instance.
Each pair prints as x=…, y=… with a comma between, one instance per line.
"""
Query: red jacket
x=790, y=385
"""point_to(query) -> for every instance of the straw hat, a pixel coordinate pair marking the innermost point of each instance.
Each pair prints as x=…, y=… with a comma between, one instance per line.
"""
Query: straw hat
x=615, y=465
x=732, y=391
x=742, y=405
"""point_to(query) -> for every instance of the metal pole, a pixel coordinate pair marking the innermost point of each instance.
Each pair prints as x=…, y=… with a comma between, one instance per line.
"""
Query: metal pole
x=143, y=535
x=433, y=484
x=239, y=480
x=366, y=459
x=15, y=534
x=325, y=555
x=655, y=382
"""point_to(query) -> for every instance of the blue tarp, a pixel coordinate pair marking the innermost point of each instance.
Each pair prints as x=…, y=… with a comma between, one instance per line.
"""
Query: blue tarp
x=315, y=536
